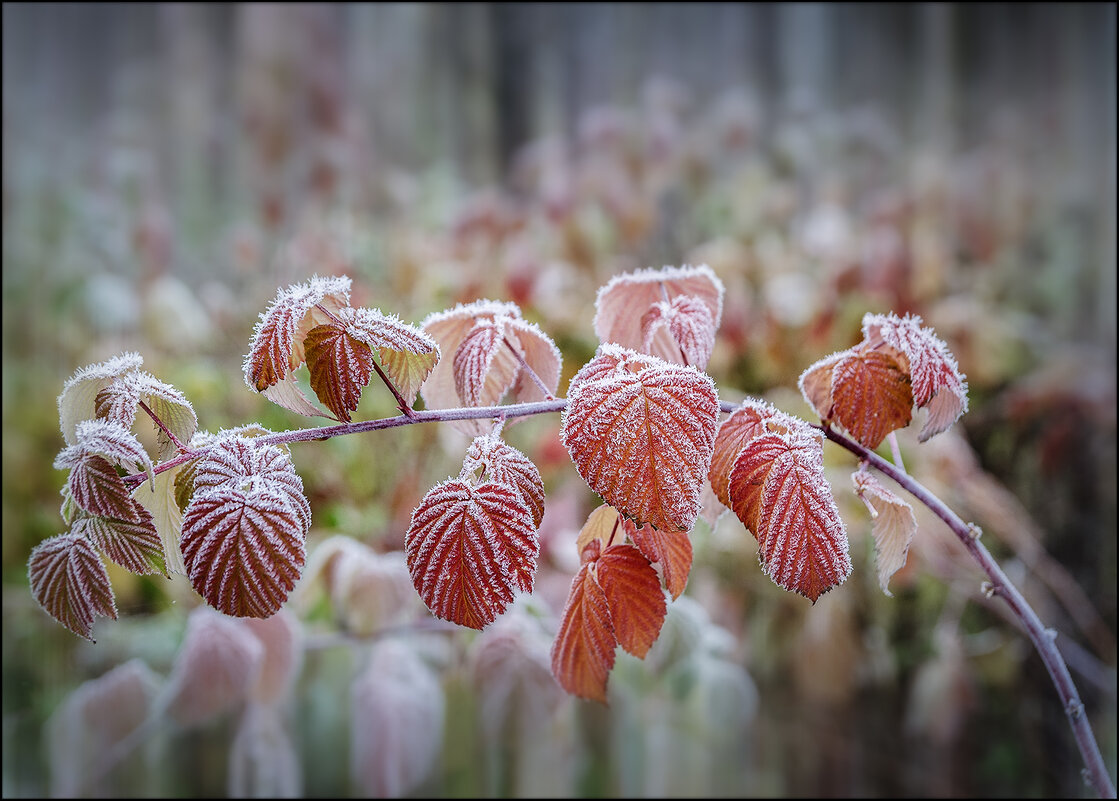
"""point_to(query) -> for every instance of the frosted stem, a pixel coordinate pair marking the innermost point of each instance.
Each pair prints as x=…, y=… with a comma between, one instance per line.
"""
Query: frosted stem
x=163, y=427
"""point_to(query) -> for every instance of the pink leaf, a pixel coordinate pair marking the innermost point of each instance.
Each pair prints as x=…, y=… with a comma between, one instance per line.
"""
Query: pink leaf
x=216, y=668
x=641, y=433
x=468, y=548
x=621, y=305
x=485, y=367
x=682, y=327
x=69, y=581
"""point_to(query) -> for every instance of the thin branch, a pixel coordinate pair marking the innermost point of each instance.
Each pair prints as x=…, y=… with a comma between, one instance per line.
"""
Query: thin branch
x=528, y=370
x=1044, y=639
x=163, y=427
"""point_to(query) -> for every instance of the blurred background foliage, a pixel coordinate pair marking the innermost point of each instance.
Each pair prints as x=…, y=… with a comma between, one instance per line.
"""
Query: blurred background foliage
x=167, y=167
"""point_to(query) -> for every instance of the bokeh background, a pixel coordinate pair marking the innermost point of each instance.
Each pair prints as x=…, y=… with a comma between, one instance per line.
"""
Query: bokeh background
x=167, y=167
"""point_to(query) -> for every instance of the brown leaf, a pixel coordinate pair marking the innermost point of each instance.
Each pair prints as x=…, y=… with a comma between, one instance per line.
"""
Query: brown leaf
x=871, y=395
x=340, y=365
x=894, y=525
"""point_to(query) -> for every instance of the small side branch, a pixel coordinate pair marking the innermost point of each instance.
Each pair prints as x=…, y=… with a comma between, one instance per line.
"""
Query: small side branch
x=163, y=427
x=528, y=370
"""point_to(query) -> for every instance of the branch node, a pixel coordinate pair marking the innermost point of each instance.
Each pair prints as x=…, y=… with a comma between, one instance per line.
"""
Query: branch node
x=988, y=589
x=974, y=531
x=1075, y=709
x=1051, y=634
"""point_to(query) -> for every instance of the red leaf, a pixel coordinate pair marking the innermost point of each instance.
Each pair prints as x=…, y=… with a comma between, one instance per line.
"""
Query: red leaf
x=583, y=651
x=671, y=549
x=871, y=395
x=505, y=464
x=750, y=420
x=634, y=596
x=96, y=487
x=340, y=365
x=778, y=489
x=277, y=346
x=641, y=432
x=135, y=546
x=622, y=303
x=243, y=549
x=683, y=325
x=485, y=368
x=69, y=581
x=937, y=381
x=468, y=548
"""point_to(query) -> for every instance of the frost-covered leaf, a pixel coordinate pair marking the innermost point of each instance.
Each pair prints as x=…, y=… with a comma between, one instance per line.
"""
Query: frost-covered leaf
x=683, y=327
x=78, y=400
x=282, y=638
x=277, y=344
x=871, y=395
x=243, y=548
x=583, y=651
x=96, y=487
x=216, y=668
x=894, y=525
x=120, y=402
x=339, y=363
x=468, y=548
x=69, y=581
x=396, y=733
x=161, y=500
x=778, y=489
x=752, y=419
x=816, y=384
x=484, y=366
x=641, y=433
x=633, y=594
x=672, y=550
x=937, y=381
x=406, y=354
x=621, y=306
x=135, y=546
x=238, y=462
x=491, y=459
x=111, y=440
x=285, y=392
x=452, y=327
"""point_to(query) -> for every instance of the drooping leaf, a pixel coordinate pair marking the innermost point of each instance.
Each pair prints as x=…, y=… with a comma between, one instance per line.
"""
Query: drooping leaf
x=340, y=365
x=468, y=548
x=606, y=525
x=135, y=546
x=583, y=651
x=216, y=668
x=243, y=548
x=684, y=324
x=69, y=581
x=937, y=381
x=494, y=460
x=871, y=395
x=672, y=550
x=78, y=400
x=282, y=638
x=277, y=344
x=161, y=499
x=641, y=433
x=452, y=327
x=406, y=353
x=396, y=730
x=484, y=366
x=779, y=491
x=263, y=762
x=633, y=594
x=894, y=525
x=96, y=487
x=621, y=306
x=752, y=419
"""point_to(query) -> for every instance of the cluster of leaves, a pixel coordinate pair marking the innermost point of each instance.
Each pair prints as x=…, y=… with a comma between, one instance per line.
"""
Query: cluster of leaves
x=641, y=423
